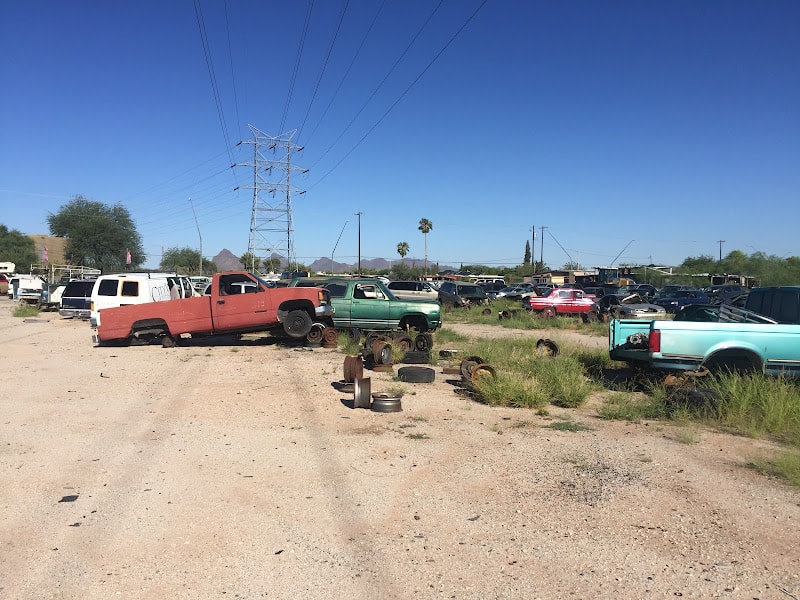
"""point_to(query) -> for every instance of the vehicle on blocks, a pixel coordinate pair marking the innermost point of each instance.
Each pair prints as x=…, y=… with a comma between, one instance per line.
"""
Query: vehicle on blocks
x=563, y=301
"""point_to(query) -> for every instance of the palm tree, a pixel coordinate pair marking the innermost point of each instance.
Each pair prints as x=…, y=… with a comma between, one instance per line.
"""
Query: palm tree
x=402, y=250
x=425, y=226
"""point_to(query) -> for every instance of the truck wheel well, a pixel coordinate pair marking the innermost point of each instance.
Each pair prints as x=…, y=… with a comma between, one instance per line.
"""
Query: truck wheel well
x=147, y=324
x=286, y=307
x=735, y=360
x=417, y=322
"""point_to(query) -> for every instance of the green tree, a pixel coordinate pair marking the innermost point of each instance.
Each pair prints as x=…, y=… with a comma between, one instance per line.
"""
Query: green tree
x=734, y=263
x=181, y=260
x=209, y=267
x=250, y=261
x=98, y=235
x=17, y=248
x=527, y=259
x=272, y=264
x=698, y=264
x=425, y=227
x=402, y=250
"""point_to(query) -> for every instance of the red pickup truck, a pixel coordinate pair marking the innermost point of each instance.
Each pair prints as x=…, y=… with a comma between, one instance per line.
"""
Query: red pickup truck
x=224, y=311
x=562, y=301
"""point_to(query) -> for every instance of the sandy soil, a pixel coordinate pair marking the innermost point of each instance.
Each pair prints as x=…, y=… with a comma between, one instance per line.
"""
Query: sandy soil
x=215, y=470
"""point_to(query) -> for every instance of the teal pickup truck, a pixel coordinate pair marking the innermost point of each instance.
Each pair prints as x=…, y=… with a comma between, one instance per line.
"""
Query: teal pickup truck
x=763, y=337
x=367, y=304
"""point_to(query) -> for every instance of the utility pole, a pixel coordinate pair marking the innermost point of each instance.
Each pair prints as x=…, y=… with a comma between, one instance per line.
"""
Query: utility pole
x=198, y=235
x=337, y=243
x=720, y=242
x=358, y=214
x=271, y=218
x=541, y=248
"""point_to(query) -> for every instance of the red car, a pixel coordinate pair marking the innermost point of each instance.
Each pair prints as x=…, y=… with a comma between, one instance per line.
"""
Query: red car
x=562, y=301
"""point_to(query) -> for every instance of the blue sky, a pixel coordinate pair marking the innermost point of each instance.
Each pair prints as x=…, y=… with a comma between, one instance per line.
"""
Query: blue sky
x=641, y=131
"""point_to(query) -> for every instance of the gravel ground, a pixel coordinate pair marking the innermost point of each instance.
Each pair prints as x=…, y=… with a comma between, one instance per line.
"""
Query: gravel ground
x=222, y=470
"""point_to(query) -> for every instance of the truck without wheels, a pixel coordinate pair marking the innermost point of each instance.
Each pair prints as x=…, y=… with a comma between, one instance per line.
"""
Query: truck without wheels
x=763, y=337
x=365, y=304
x=262, y=308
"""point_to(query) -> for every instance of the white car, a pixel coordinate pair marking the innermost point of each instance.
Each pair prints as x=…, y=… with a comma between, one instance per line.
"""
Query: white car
x=413, y=290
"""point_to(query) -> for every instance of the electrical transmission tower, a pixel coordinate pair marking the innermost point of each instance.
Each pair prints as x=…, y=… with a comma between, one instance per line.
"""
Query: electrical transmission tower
x=271, y=227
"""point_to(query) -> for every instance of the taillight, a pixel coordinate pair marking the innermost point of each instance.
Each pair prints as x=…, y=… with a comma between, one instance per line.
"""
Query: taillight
x=655, y=340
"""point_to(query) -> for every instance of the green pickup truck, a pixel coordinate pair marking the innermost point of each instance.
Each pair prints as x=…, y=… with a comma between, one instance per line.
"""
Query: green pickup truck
x=763, y=337
x=367, y=304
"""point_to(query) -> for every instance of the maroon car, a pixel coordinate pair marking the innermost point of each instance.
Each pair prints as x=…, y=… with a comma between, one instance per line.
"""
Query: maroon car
x=569, y=301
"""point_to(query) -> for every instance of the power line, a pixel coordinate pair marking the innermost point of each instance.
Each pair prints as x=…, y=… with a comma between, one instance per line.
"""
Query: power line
x=198, y=11
x=347, y=71
x=324, y=66
x=233, y=76
x=300, y=47
x=404, y=93
x=377, y=89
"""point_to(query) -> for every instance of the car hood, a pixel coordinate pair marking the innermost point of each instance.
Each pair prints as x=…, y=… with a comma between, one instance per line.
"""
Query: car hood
x=640, y=308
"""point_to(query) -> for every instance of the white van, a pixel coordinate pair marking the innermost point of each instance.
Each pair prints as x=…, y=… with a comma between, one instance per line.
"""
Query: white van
x=414, y=290
x=122, y=289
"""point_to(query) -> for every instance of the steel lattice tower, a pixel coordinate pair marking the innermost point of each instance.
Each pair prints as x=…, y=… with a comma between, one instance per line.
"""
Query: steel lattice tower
x=271, y=226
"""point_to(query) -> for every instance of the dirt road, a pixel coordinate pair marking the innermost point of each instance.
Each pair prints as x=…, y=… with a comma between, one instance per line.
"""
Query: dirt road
x=239, y=471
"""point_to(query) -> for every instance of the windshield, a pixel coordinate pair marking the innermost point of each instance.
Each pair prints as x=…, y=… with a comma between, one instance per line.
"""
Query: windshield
x=471, y=290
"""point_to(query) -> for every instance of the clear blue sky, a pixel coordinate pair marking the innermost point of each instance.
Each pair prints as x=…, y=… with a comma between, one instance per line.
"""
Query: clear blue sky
x=657, y=128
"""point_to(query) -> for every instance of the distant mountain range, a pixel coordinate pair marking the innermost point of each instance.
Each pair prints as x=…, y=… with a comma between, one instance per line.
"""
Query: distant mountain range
x=227, y=261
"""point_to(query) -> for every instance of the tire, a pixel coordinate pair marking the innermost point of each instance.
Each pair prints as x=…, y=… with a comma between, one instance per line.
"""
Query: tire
x=168, y=341
x=330, y=337
x=549, y=312
x=416, y=374
x=404, y=342
x=415, y=357
x=480, y=372
x=382, y=353
x=376, y=336
x=546, y=348
x=314, y=337
x=486, y=311
x=297, y=324
x=423, y=342
x=468, y=364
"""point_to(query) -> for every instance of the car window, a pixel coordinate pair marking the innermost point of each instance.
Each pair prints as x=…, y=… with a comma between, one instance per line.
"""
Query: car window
x=337, y=290
x=107, y=287
x=130, y=288
x=78, y=289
